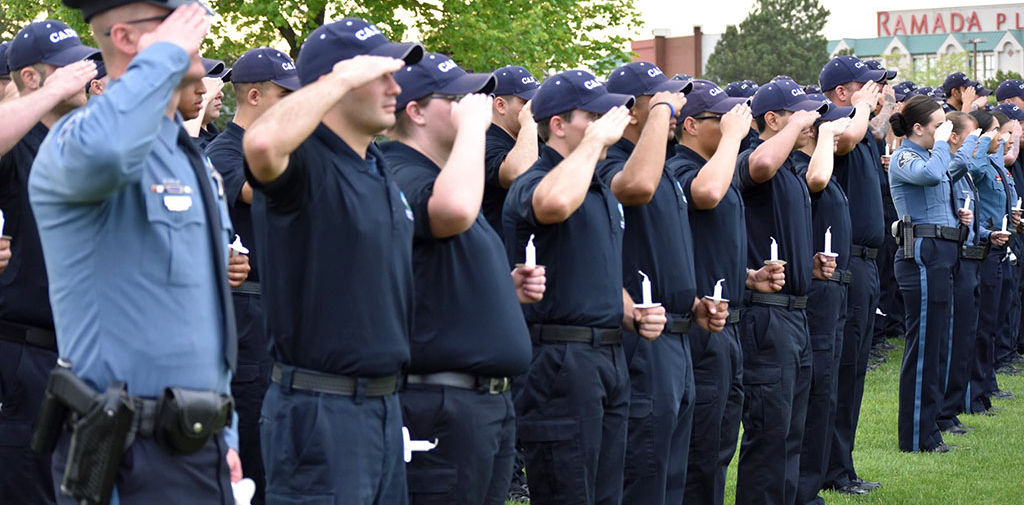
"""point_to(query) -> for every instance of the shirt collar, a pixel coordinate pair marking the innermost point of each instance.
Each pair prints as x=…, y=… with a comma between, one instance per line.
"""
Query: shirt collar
x=340, y=149
x=408, y=153
x=689, y=153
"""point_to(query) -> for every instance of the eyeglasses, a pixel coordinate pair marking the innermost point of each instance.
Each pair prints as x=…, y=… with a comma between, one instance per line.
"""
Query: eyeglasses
x=454, y=98
x=159, y=19
x=701, y=118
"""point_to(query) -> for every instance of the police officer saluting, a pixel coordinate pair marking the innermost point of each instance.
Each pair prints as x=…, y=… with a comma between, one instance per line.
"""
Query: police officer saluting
x=134, y=233
x=50, y=78
x=469, y=334
x=511, y=139
x=776, y=347
x=657, y=242
x=575, y=399
x=335, y=236
x=709, y=130
x=260, y=77
x=930, y=237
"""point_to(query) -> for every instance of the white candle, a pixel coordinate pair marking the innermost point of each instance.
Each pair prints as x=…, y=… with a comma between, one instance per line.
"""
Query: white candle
x=410, y=446
x=967, y=203
x=646, y=285
x=1, y=222
x=1004, y=224
x=1019, y=201
x=828, y=240
x=887, y=149
x=717, y=297
x=237, y=247
x=531, y=253
x=775, y=250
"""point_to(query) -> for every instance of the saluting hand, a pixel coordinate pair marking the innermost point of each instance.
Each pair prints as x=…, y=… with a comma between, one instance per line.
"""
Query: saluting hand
x=710, y=317
x=5, y=253
x=526, y=116
x=976, y=132
x=870, y=93
x=835, y=128
x=608, y=128
x=735, y=124
x=472, y=112
x=943, y=132
x=968, y=97
x=530, y=283
x=649, y=322
x=355, y=72
x=238, y=269
x=824, y=266
x=803, y=119
x=186, y=28
x=676, y=99
x=70, y=80
x=767, y=279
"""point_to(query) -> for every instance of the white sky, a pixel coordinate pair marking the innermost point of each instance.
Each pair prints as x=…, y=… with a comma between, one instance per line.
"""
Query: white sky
x=850, y=18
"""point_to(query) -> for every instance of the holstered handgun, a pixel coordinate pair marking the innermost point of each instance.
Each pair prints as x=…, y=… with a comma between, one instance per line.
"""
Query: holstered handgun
x=907, y=233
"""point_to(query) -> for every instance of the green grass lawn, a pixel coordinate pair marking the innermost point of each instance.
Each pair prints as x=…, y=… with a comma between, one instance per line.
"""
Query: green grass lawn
x=986, y=469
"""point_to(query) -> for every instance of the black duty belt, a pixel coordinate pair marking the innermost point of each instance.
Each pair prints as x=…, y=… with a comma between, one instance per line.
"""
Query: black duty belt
x=319, y=382
x=490, y=385
x=734, y=315
x=248, y=288
x=565, y=333
x=858, y=251
x=31, y=335
x=677, y=324
x=936, y=231
x=974, y=252
x=779, y=300
x=841, y=276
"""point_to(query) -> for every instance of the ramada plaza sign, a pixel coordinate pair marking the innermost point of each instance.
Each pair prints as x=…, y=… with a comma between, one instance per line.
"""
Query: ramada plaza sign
x=991, y=18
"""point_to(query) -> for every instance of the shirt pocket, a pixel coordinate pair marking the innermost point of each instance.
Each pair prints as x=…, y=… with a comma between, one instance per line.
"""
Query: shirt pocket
x=176, y=238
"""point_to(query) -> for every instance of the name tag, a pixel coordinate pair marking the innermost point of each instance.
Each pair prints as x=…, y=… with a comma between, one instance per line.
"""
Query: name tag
x=178, y=203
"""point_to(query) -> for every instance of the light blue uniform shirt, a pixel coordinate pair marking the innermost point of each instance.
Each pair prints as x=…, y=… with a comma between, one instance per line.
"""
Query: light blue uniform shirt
x=920, y=184
x=959, y=172
x=125, y=238
x=988, y=173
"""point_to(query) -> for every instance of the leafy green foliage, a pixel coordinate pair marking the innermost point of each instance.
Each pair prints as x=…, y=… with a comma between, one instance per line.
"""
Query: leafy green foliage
x=1001, y=75
x=777, y=37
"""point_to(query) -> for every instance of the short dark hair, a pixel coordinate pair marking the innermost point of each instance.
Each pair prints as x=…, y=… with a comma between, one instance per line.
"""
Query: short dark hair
x=760, y=122
x=916, y=110
x=401, y=127
x=544, y=125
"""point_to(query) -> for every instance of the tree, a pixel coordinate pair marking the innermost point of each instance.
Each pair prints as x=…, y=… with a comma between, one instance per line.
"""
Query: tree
x=1000, y=76
x=933, y=71
x=777, y=37
x=480, y=34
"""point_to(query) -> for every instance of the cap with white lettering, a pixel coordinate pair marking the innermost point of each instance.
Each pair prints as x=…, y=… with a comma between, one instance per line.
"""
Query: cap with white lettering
x=844, y=69
x=437, y=73
x=784, y=94
x=741, y=89
x=1010, y=88
x=49, y=41
x=640, y=78
x=265, y=64
x=514, y=80
x=706, y=96
x=345, y=39
x=575, y=89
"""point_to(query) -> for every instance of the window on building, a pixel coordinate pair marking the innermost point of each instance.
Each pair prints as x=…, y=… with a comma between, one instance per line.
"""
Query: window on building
x=988, y=70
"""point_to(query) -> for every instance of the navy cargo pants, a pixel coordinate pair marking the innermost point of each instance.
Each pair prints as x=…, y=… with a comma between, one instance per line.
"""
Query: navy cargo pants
x=959, y=354
x=660, y=418
x=926, y=282
x=777, y=365
x=991, y=304
x=249, y=385
x=25, y=477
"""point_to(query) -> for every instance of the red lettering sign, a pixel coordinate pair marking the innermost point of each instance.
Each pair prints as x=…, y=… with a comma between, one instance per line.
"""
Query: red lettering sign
x=1019, y=27
x=883, y=23
x=940, y=25
x=919, y=28
x=954, y=18
x=900, y=28
x=1000, y=19
x=973, y=22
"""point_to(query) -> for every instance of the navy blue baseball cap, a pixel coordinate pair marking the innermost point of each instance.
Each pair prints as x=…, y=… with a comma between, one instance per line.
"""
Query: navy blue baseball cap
x=812, y=88
x=844, y=69
x=784, y=94
x=5, y=72
x=1011, y=111
x=938, y=94
x=877, y=65
x=957, y=80
x=834, y=111
x=101, y=69
x=923, y=90
x=1009, y=89
x=682, y=77
x=639, y=78
x=981, y=90
x=575, y=89
x=437, y=73
x=347, y=38
x=741, y=89
x=513, y=80
x=91, y=8
x=904, y=90
x=214, y=68
x=265, y=64
x=707, y=96
x=49, y=41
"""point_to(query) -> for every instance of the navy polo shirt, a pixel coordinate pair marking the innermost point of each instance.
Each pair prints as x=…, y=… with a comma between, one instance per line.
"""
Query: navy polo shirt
x=722, y=251
x=24, y=294
x=657, y=239
x=583, y=254
x=206, y=135
x=780, y=208
x=499, y=143
x=468, y=317
x=226, y=154
x=858, y=172
x=829, y=208
x=335, y=237
x=752, y=135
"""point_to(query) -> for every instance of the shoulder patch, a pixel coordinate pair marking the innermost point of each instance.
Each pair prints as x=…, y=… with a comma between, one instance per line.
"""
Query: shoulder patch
x=907, y=157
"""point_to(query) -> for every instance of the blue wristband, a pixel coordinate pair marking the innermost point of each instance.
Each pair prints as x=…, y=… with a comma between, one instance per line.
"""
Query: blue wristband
x=670, y=107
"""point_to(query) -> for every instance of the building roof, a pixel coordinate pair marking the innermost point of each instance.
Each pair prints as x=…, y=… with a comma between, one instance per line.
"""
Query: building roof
x=926, y=44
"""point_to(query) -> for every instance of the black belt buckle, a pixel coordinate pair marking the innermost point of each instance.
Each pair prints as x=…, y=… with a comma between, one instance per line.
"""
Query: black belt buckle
x=498, y=385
